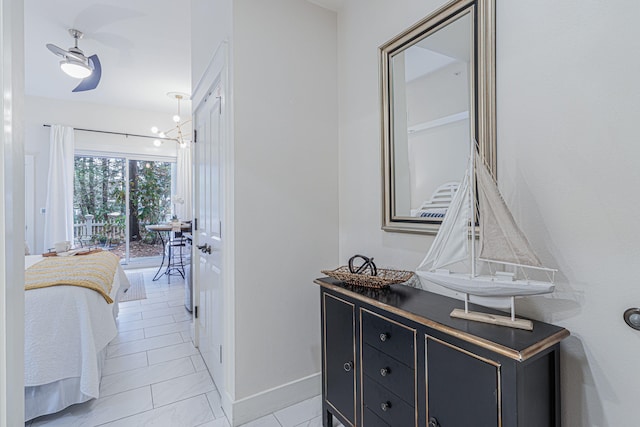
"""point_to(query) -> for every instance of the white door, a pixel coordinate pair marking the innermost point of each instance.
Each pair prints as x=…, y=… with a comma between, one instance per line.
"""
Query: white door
x=208, y=236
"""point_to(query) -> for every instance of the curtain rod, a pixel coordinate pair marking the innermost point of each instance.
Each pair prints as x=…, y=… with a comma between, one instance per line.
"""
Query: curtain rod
x=119, y=133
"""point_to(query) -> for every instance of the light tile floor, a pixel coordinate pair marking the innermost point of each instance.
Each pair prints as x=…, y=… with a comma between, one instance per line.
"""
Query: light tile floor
x=154, y=376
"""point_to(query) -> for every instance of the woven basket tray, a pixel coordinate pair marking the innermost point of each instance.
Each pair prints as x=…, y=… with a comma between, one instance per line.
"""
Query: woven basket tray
x=384, y=278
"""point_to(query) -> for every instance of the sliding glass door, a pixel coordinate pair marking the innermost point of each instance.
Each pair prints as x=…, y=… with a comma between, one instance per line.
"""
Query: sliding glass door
x=113, y=215
x=99, y=201
x=149, y=203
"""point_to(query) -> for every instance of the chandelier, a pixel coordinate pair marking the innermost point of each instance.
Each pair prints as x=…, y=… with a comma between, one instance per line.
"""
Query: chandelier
x=178, y=133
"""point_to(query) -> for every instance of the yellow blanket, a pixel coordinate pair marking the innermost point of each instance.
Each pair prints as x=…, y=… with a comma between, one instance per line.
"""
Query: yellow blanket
x=95, y=271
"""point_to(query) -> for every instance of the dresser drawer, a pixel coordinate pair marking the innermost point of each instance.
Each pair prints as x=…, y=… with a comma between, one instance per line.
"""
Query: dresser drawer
x=389, y=337
x=388, y=372
x=372, y=420
x=386, y=405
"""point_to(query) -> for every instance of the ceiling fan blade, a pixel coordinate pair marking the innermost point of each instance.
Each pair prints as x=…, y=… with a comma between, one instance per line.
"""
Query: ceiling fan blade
x=65, y=53
x=57, y=50
x=92, y=81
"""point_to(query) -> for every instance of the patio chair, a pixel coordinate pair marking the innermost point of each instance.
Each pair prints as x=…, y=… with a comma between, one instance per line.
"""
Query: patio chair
x=83, y=239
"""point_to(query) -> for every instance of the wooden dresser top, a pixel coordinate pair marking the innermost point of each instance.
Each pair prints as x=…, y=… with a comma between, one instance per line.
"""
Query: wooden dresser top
x=432, y=310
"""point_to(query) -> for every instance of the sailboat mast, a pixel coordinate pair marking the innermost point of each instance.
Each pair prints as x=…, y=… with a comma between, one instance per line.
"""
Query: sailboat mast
x=472, y=211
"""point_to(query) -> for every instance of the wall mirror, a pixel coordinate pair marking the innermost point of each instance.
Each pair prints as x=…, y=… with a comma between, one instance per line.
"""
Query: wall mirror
x=438, y=96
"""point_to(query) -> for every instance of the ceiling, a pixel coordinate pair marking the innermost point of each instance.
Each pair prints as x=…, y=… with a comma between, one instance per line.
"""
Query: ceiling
x=447, y=45
x=143, y=46
x=329, y=4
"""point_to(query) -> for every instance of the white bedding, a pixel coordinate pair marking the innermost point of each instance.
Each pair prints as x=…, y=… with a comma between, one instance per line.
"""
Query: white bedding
x=66, y=330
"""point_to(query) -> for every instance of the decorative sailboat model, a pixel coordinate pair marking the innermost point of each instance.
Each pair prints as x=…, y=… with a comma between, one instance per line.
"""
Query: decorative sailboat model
x=501, y=245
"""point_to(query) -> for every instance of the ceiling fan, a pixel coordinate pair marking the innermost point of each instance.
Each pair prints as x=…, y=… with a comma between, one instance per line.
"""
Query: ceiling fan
x=77, y=65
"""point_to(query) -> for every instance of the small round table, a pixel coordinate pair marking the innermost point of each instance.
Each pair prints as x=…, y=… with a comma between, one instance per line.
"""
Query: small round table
x=167, y=228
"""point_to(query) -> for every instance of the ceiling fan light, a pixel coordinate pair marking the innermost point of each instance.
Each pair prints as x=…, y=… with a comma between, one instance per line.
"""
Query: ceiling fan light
x=75, y=69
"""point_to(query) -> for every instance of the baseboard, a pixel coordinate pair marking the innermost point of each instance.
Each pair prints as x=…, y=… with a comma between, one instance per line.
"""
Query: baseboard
x=227, y=406
x=250, y=408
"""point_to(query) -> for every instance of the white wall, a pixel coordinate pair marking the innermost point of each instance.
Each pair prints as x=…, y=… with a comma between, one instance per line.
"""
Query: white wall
x=568, y=153
x=283, y=118
x=568, y=161
x=286, y=186
x=40, y=111
x=211, y=22
x=363, y=25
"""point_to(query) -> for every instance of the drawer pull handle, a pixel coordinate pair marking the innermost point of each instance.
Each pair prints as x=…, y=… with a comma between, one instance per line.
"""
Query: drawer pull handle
x=433, y=422
x=385, y=371
x=384, y=336
x=385, y=406
x=348, y=366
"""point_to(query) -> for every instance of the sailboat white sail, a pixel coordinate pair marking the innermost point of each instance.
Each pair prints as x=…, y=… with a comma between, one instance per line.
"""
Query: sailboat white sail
x=501, y=242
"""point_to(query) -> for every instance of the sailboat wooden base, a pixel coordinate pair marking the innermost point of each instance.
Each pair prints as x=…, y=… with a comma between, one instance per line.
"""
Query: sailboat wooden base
x=492, y=319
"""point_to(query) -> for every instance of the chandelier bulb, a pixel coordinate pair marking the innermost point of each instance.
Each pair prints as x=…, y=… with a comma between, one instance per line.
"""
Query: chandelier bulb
x=177, y=130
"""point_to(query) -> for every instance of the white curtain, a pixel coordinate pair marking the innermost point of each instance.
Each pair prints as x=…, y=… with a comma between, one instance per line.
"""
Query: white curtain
x=183, y=183
x=58, y=219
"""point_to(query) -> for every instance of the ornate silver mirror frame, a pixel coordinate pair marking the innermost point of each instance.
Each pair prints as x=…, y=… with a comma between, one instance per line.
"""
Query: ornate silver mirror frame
x=473, y=20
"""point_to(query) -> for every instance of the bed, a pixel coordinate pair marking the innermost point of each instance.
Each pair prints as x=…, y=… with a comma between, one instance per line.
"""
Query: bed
x=67, y=329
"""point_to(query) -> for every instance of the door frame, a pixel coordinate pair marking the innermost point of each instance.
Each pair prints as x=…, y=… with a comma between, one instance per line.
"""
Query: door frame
x=12, y=219
x=217, y=74
x=207, y=122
